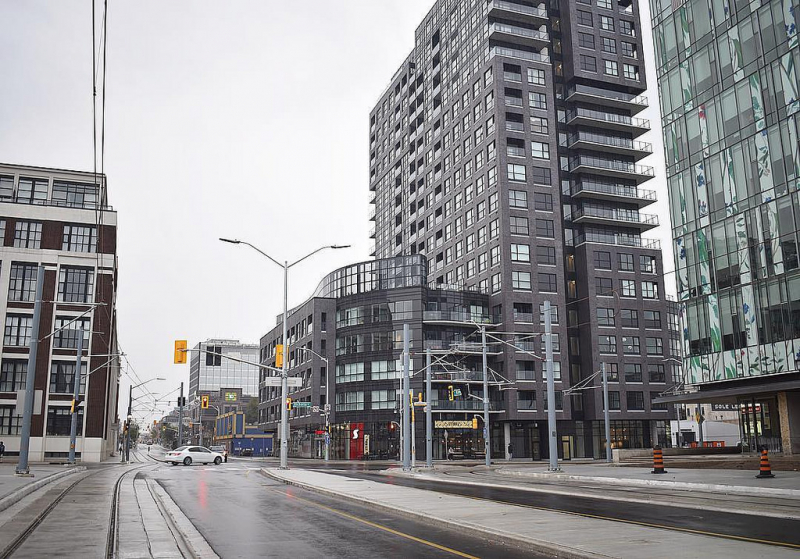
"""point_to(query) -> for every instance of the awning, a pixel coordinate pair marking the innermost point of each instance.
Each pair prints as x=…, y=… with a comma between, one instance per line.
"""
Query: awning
x=733, y=390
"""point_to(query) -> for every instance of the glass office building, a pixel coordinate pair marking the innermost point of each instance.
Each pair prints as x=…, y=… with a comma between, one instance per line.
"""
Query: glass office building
x=729, y=101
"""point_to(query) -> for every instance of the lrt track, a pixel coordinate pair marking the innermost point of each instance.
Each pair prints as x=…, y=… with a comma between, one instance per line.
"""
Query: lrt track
x=112, y=535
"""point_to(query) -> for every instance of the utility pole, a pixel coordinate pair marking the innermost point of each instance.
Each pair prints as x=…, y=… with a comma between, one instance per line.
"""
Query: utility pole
x=551, y=388
x=428, y=411
x=180, y=417
x=605, y=413
x=413, y=429
x=128, y=432
x=404, y=401
x=486, y=445
x=30, y=377
x=285, y=373
x=73, y=428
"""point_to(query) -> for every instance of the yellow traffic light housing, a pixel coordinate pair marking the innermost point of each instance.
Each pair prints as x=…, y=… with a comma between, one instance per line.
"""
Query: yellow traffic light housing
x=204, y=401
x=289, y=404
x=474, y=422
x=180, y=351
x=450, y=393
x=279, y=356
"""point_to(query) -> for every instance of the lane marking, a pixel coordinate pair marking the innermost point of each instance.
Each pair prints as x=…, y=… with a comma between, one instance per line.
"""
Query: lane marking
x=375, y=525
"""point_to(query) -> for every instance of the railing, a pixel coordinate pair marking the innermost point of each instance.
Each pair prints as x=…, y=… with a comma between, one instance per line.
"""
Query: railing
x=612, y=165
x=608, y=117
x=526, y=375
x=458, y=376
x=616, y=215
x=617, y=241
x=610, y=141
x=58, y=204
x=615, y=190
x=512, y=126
x=512, y=76
x=514, y=101
x=521, y=31
x=515, y=151
x=521, y=54
x=523, y=317
x=608, y=94
x=518, y=8
x=457, y=316
x=460, y=405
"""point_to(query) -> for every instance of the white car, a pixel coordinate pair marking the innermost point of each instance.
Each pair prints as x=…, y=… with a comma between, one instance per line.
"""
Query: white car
x=189, y=454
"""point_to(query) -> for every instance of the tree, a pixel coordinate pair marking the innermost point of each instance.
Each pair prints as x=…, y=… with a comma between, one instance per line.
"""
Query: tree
x=251, y=411
x=134, y=429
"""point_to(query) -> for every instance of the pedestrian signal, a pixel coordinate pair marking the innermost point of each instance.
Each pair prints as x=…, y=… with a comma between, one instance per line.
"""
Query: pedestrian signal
x=204, y=401
x=474, y=422
x=180, y=351
x=279, y=356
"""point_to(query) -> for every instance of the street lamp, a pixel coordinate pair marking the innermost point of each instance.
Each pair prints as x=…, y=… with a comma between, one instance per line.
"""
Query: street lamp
x=327, y=402
x=130, y=416
x=285, y=368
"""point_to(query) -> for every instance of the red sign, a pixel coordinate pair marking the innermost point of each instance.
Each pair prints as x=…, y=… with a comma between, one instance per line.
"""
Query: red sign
x=319, y=432
x=356, y=441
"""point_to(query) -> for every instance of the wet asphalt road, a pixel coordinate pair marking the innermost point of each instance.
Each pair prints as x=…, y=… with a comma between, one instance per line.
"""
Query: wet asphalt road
x=244, y=514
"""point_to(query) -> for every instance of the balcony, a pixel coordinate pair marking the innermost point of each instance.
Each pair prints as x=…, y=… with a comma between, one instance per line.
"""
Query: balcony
x=604, y=216
x=467, y=348
x=618, y=240
x=610, y=144
x=614, y=193
x=512, y=126
x=517, y=12
x=460, y=405
x=463, y=317
x=523, y=317
x=513, y=102
x=372, y=232
x=519, y=54
x=598, y=96
x=518, y=35
x=611, y=168
x=610, y=121
x=372, y=214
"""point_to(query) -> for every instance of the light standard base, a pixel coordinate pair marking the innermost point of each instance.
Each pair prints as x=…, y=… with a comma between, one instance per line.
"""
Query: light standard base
x=23, y=474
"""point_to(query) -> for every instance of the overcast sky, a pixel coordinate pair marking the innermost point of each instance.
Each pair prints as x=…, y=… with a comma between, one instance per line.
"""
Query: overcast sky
x=243, y=119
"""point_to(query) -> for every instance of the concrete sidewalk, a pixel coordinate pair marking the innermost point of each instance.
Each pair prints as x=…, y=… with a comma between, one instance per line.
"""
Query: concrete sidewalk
x=11, y=484
x=564, y=535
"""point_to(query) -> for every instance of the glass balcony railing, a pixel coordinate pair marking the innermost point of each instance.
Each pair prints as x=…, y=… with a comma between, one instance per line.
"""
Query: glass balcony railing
x=512, y=126
x=517, y=8
x=513, y=101
x=460, y=405
x=512, y=76
x=519, y=31
x=520, y=54
x=620, y=190
x=610, y=141
x=608, y=117
x=611, y=165
x=627, y=216
x=617, y=240
x=457, y=316
x=608, y=94
x=525, y=317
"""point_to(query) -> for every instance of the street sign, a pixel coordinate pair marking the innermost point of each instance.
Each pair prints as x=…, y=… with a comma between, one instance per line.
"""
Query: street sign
x=327, y=407
x=315, y=409
x=456, y=392
x=420, y=404
x=301, y=404
x=452, y=424
x=293, y=382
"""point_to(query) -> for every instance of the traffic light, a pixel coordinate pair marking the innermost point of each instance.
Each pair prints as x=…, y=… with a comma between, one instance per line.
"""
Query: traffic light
x=450, y=395
x=279, y=356
x=392, y=426
x=474, y=422
x=204, y=401
x=75, y=404
x=289, y=404
x=180, y=351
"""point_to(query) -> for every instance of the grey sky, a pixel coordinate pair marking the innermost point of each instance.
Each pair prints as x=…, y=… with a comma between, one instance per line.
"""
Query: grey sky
x=244, y=119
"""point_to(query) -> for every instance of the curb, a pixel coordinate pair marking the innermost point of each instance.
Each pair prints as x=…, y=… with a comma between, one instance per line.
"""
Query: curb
x=707, y=487
x=551, y=549
x=22, y=492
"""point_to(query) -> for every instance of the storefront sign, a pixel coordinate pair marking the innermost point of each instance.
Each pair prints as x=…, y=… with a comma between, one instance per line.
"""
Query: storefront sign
x=230, y=396
x=453, y=424
x=366, y=444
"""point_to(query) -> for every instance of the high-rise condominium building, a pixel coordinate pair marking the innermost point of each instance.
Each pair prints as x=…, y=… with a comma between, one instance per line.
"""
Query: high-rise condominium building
x=505, y=149
x=731, y=116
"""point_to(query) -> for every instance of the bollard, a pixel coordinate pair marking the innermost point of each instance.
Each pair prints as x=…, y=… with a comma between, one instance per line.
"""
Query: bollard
x=658, y=461
x=764, y=470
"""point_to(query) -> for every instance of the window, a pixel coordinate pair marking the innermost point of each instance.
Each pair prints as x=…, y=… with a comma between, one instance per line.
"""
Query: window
x=22, y=283
x=519, y=225
x=657, y=407
x=586, y=40
x=588, y=63
x=74, y=195
x=520, y=253
x=628, y=288
x=6, y=187
x=350, y=372
x=633, y=372
x=494, y=256
x=518, y=199
x=655, y=346
x=610, y=68
x=545, y=229
x=32, y=191
x=559, y=400
x=546, y=255
x=584, y=18
x=13, y=375
x=606, y=23
x=635, y=400
x=526, y=399
x=649, y=290
x=629, y=49
x=602, y=260
x=539, y=125
x=553, y=314
x=28, y=234
x=629, y=318
x=652, y=319
x=493, y=202
x=66, y=336
x=630, y=71
x=516, y=172
x=62, y=377
x=656, y=372
x=384, y=400
x=613, y=400
x=59, y=421
x=626, y=262
x=603, y=286
x=647, y=264
x=605, y=316
x=627, y=28
x=547, y=283
x=497, y=283
x=541, y=175
x=214, y=356
x=536, y=76
x=607, y=344
x=521, y=280
x=75, y=284
x=630, y=345
x=537, y=100
x=78, y=238
x=18, y=331
x=604, y=4
x=542, y=202
x=609, y=45
x=10, y=424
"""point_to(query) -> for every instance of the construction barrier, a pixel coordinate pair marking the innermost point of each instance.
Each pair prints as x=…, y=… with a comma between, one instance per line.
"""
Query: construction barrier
x=765, y=470
x=658, y=461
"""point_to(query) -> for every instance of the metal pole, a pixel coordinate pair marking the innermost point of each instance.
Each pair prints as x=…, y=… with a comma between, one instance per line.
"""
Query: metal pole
x=413, y=429
x=428, y=411
x=605, y=413
x=486, y=445
x=551, y=388
x=285, y=374
x=327, y=411
x=180, y=418
x=73, y=428
x=678, y=419
x=404, y=402
x=128, y=432
x=30, y=377
x=402, y=410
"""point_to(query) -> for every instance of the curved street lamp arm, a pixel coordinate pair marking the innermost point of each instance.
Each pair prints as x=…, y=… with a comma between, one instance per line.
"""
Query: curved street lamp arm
x=315, y=252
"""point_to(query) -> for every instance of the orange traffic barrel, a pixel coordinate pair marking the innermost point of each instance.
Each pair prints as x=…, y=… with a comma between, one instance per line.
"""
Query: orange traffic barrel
x=764, y=470
x=658, y=461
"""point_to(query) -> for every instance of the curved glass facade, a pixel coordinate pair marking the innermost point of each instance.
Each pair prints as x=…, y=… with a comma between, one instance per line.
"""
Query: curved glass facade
x=386, y=273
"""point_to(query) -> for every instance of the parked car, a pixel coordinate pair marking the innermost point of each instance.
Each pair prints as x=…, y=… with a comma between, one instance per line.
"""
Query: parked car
x=222, y=450
x=189, y=454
